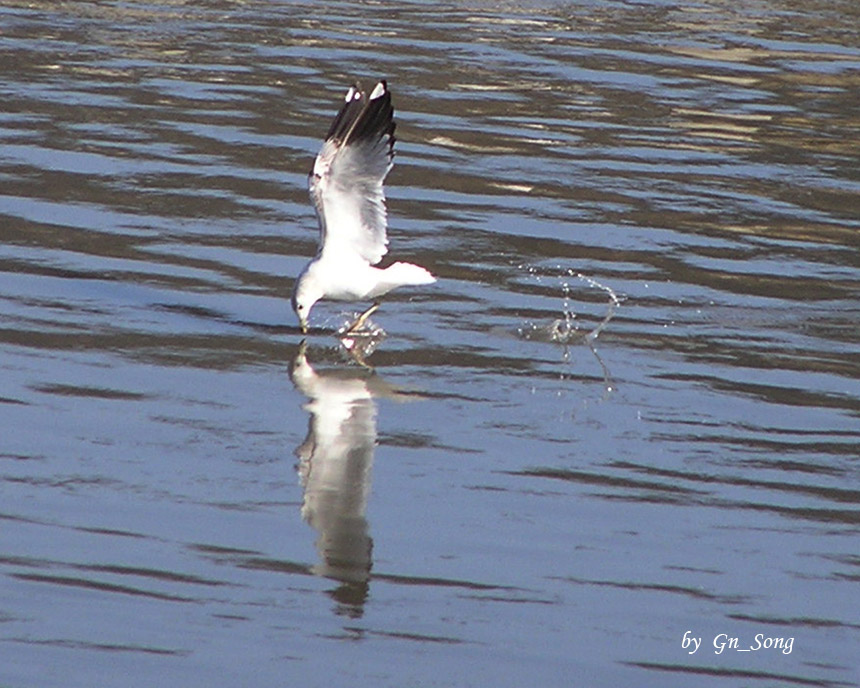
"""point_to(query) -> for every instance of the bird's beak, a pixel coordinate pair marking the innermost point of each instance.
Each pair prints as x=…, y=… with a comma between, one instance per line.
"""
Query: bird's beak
x=304, y=325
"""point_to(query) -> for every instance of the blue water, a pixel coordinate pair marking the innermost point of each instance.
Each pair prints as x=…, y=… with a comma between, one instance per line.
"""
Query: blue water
x=189, y=495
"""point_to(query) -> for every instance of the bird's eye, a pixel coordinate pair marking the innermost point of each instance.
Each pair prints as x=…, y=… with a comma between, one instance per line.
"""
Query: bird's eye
x=301, y=308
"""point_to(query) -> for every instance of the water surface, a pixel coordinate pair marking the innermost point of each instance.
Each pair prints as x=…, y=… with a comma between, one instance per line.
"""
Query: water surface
x=192, y=496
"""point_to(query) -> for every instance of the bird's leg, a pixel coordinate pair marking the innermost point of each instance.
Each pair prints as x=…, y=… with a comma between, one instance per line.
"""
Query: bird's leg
x=361, y=319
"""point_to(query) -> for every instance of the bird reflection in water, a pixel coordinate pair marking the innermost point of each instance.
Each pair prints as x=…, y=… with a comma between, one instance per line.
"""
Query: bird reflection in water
x=335, y=462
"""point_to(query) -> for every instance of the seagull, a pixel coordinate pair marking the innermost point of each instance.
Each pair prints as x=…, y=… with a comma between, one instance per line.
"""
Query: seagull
x=346, y=189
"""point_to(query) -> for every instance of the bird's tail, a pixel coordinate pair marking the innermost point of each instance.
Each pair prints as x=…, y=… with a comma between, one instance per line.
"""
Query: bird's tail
x=400, y=274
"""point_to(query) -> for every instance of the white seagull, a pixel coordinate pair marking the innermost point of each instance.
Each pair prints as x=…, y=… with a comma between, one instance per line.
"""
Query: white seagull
x=346, y=189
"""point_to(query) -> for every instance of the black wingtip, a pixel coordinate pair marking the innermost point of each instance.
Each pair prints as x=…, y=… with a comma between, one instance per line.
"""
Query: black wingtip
x=363, y=117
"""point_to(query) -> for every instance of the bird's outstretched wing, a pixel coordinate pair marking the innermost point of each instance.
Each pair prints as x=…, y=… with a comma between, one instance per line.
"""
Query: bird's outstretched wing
x=346, y=180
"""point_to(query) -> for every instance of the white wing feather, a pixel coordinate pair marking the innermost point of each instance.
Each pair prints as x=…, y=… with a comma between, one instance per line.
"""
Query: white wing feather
x=346, y=183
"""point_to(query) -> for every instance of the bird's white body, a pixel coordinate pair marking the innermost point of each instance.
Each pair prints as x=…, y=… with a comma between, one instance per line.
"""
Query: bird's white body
x=346, y=188
x=357, y=280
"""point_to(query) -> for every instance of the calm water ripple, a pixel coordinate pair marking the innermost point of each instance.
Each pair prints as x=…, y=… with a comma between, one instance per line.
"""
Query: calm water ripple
x=192, y=496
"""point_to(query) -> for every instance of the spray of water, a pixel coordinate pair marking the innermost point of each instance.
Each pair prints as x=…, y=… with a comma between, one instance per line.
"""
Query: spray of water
x=360, y=344
x=565, y=330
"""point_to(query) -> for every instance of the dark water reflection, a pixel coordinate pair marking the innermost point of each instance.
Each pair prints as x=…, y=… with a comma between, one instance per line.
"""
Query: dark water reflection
x=536, y=511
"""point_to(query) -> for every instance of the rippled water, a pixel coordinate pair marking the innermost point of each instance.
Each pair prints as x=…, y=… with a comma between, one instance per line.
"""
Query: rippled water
x=190, y=497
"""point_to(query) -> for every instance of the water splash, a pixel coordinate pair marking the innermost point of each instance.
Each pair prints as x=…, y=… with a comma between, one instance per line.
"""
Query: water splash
x=361, y=343
x=565, y=330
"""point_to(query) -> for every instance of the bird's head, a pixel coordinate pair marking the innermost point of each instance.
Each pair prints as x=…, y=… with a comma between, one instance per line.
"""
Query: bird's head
x=305, y=295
